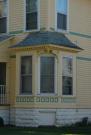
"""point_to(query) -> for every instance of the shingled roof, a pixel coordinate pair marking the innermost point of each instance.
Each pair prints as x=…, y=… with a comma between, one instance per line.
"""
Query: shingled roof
x=45, y=38
x=4, y=37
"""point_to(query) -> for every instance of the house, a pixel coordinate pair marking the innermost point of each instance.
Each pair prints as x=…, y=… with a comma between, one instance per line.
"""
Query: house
x=45, y=62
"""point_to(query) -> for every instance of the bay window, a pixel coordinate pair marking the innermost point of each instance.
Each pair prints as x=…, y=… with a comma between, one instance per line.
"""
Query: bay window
x=26, y=75
x=31, y=14
x=67, y=76
x=61, y=14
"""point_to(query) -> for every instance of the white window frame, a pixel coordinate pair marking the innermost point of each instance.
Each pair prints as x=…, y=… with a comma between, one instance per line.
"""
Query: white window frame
x=7, y=25
x=38, y=20
x=60, y=30
x=23, y=75
x=18, y=73
x=55, y=76
x=73, y=75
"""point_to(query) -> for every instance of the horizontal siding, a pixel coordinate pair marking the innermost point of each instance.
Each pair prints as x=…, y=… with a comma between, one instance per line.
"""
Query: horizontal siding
x=80, y=16
x=16, y=15
x=84, y=83
x=43, y=14
x=51, y=14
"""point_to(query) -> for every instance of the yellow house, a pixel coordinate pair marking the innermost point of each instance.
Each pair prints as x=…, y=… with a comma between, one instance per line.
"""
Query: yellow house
x=45, y=62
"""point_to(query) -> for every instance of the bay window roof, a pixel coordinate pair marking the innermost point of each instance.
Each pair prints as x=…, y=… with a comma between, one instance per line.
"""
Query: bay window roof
x=46, y=38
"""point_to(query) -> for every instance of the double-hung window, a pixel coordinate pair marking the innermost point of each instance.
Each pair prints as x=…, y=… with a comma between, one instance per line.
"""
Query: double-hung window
x=47, y=74
x=3, y=16
x=61, y=14
x=26, y=75
x=31, y=14
x=67, y=76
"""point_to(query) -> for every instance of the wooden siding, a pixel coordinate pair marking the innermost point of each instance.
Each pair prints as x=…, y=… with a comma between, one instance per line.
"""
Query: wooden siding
x=80, y=16
x=16, y=15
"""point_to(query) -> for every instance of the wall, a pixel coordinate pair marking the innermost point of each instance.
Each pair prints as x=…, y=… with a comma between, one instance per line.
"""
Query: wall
x=4, y=113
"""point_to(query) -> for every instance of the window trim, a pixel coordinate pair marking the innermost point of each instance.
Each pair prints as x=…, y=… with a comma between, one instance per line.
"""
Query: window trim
x=7, y=23
x=21, y=75
x=55, y=76
x=73, y=76
x=60, y=30
x=18, y=73
x=38, y=18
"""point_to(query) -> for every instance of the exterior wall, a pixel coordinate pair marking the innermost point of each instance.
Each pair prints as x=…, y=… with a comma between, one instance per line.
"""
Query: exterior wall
x=12, y=82
x=51, y=14
x=48, y=16
x=4, y=55
x=66, y=109
x=43, y=14
x=80, y=22
x=4, y=113
x=16, y=15
x=32, y=117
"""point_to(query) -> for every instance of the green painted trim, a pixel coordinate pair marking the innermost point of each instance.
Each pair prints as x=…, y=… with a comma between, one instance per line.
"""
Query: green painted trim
x=16, y=32
x=83, y=58
x=68, y=100
x=13, y=56
x=38, y=99
x=80, y=34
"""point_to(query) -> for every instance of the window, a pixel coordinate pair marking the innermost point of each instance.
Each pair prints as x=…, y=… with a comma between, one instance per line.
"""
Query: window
x=31, y=14
x=67, y=79
x=47, y=71
x=62, y=14
x=26, y=74
x=3, y=16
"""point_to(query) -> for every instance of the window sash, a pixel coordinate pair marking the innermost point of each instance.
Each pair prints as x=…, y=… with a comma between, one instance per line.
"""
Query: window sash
x=47, y=77
x=67, y=76
x=62, y=6
x=30, y=25
x=61, y=14
x=3, y=16
x=61, y=21
x=31, y=14
x=26, y=75
x=3, y=8
x=67, y=85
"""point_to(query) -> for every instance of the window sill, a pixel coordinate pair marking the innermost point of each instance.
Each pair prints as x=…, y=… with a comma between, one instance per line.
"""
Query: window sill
x=28, y=95
x=62, y=31
x=47, y=94
x=68, y=96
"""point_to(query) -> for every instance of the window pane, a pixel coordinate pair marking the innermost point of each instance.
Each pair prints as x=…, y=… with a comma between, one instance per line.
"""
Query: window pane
x=31, y=14
x=3, y=8
x=31, y=6
x=67, y=66
x=61, y=21
x=62, y=14
x=3, y=25
x=67, y=85
x=26, y=84
x=3, y=16
x=62, y=6
x=26, y=74
x=47, y=84
x=47, y=75
x=31, y=21
x=26, y=65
